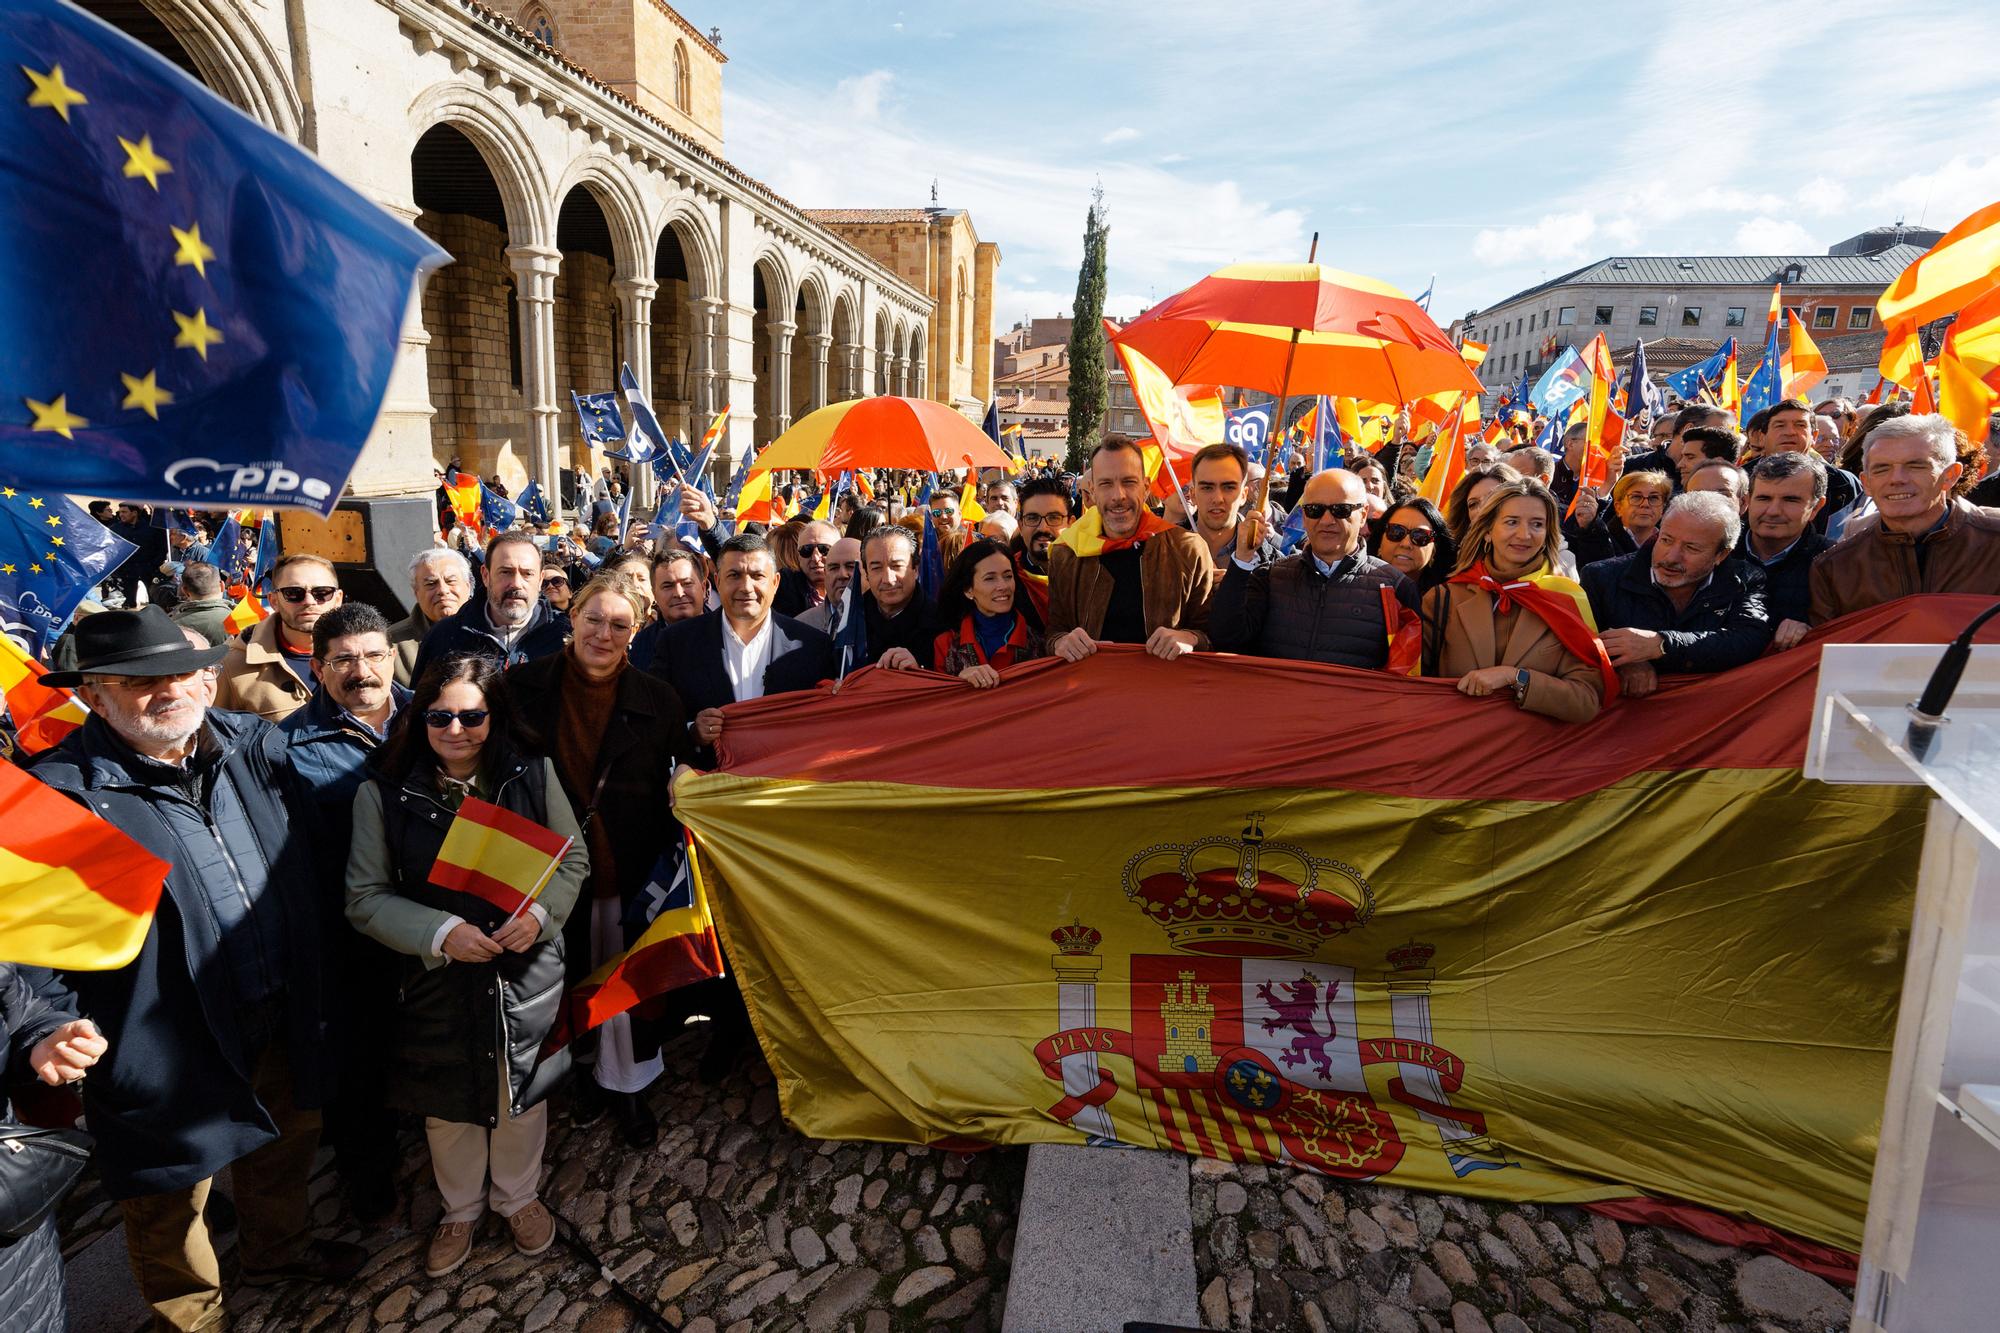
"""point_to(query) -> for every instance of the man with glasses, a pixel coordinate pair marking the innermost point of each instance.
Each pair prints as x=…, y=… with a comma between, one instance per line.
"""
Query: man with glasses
x=509, y=621
x=1044, y=513
x=440, y=583
x=330, y=741
x=843, y=564
x=216, y=1026
x=269, y=670
x=1329, y=602
x=804, y=588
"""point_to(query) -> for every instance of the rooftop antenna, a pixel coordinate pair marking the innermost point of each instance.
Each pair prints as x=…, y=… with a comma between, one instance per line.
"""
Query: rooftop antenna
x=934, y=192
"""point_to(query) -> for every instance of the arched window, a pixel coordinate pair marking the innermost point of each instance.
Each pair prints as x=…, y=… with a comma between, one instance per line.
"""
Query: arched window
x=683, y=94
x=507, y=294
x=538, y=23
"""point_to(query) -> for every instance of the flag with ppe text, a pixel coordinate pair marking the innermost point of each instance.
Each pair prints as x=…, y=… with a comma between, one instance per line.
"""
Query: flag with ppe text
x=1560, y=963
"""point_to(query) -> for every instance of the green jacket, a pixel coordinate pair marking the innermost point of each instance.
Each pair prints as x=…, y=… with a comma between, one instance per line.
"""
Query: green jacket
x=205, y=617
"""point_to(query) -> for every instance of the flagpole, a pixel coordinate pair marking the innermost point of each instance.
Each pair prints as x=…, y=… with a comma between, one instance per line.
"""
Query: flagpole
x=541, y=883
x=1284, y=394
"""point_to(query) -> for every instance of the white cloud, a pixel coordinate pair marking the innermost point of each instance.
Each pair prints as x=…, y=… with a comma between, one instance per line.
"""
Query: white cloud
x=1941, y=199
x=863, y=94
x=1556, y=236
x=1823, y=195
x=1123, y=134
x=1770, y=236
x=1168, y=159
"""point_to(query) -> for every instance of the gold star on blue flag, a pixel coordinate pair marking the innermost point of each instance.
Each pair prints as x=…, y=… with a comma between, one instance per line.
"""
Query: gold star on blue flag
x=197, y=313
x=43, y=577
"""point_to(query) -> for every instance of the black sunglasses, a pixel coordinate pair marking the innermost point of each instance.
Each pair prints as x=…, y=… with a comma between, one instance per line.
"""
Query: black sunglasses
x=555, y=580
x=1339, y=511
x=437, y=719
x=810, y=549
x=1417, y=537
x=297, y=595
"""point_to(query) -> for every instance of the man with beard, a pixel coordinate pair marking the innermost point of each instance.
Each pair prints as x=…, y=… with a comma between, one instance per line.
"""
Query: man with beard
x=1044, y=513
x=440, y=581
x=1121, y=573
x=215, y=1026
x=510, y=622
x=268, y=670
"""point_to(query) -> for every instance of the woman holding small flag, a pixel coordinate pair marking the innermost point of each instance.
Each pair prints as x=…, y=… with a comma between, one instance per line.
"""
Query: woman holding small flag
x=467, y=858
x=616, y=734
x=1505, y=625
x=988, y=630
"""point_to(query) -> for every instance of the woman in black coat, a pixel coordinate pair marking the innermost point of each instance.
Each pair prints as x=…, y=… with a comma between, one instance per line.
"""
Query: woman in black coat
x=616, y=733
x=60, y=1048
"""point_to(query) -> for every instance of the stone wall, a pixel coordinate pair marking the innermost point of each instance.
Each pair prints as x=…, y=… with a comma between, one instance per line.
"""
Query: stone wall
x=629, y=45
x=473, y=378
x=586, y=356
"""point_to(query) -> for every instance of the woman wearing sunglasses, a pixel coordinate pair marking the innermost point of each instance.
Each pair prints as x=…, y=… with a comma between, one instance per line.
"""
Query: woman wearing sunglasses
x=1413, y=538
x=1505, y=625
x=481, y=982
x=615, y=733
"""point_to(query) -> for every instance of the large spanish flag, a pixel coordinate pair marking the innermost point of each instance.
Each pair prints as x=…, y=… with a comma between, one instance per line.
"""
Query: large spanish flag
x=498, y=856
x=42, y=714
x=1333, y=919
x=74, y=891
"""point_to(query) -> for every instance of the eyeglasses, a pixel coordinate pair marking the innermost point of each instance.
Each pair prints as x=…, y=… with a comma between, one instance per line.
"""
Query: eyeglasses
x=1417, y=537
x=810, y=549
x=555, y=581
x=592, y=620
x=318, y=594
x=348, y=661
x=1339, y=511
x=437, y=719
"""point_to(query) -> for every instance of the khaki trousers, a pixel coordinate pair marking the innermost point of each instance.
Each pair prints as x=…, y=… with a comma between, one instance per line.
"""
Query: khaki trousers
x=173, y=1257
x=476, y=1166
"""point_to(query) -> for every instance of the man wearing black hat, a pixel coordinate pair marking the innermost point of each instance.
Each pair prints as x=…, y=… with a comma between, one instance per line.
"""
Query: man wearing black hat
x=216, y=1026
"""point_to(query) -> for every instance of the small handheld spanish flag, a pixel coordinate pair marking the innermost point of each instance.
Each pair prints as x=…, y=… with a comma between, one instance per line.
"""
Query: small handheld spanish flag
x=497, y=856
x=74, y=891
x=42, y=715
x=247, y=612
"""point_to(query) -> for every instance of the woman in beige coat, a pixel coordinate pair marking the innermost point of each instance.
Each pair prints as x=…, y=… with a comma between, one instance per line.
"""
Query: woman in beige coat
x=1506, y=626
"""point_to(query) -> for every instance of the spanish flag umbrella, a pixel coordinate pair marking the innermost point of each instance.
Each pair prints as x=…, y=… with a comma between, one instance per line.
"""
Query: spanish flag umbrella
x=1293, y=329
x=892, y=432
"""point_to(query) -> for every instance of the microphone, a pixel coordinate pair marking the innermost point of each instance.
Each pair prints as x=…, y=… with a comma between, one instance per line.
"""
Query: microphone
x=1927, y=713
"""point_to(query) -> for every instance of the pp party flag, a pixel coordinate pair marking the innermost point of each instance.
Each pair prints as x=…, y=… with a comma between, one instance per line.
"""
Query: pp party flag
x=52, y=552
x=497, y=856
x=74, y=892
x=1963, y=266
x=197, y=312
x=1561, y=384
x=496, y=511
x=850, y=632
x=1803, y=364
x=1249, y=428
x=42, y=714
x=248, y=611
x=598, y=418
x=643, y=418
x=534, y=503
x=678, y=948
x=1240, y=951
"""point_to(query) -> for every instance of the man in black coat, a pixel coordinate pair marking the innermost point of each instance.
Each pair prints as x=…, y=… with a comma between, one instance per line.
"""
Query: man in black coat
x=217, y=1027
x=508, y=620
x=1679, y=603
x=1787, y=493
x=743, y=651
x=899, y=622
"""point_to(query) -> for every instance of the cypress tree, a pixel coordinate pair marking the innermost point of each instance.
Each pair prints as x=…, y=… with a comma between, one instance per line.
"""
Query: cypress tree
x=1087, y=389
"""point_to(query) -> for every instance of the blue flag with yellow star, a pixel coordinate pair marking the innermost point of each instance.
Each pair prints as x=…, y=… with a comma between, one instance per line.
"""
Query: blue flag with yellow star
x=193, y=311
x=52, y=553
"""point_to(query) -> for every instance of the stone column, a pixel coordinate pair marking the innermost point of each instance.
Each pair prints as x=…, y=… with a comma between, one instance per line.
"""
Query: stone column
x=818, y=345
x=780, y=388
x=899, y=378
x=535, y=268
x=635, y=310
x=856, y=371
x=710, y=354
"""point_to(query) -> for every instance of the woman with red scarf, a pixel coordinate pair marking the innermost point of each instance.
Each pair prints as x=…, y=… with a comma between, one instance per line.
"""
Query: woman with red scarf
x=1506, y=625
x=988, y=630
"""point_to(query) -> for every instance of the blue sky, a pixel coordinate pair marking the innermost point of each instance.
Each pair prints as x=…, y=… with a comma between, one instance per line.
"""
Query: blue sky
x=1491, y=145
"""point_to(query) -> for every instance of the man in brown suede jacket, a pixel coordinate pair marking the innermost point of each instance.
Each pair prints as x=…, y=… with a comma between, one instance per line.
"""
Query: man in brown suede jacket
x=1122, y=574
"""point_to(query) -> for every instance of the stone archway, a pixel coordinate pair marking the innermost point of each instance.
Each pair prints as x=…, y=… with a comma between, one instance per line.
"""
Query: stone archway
x=215, y=41
x=774, y=304
x=845, y=330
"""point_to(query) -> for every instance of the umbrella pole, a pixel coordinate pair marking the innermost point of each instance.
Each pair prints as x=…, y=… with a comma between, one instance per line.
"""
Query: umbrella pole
x=1284, y=398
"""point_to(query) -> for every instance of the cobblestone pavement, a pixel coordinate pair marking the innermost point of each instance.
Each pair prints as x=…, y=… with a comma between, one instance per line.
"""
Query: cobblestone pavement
x=733, y=1223
x=1281, y=1249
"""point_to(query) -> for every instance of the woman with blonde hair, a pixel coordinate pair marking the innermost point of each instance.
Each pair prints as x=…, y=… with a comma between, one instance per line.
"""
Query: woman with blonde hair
x=1505, y=625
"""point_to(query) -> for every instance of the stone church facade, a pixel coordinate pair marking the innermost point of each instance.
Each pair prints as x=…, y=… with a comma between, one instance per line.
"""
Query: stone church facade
x=568, y=154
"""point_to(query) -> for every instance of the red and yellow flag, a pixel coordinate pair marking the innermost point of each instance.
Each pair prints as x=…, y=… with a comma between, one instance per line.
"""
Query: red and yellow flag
x=754, y=503
x=42, y=714
x=248, y=610
x=1505, y=975
x=496, y=855
x=1964, y=398
x=1959, y=269
x=1598, y=440
x=713, y=434
x=1803, y=365
x=74, y=891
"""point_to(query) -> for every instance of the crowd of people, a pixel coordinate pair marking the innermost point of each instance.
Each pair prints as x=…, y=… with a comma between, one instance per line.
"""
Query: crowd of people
x=305, y=975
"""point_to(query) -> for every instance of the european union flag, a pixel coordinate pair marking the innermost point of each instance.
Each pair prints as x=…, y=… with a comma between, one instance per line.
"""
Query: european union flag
x=267, y=550
x=496, y=511
x=535, y=504
x=597, y=415
x=192, y=309
x=226, y=552
x=930, y=560
x=174, y=520
x=52, y=553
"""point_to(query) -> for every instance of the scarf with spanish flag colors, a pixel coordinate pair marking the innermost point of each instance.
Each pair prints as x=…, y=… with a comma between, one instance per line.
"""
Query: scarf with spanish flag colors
x=1640, y=962
x=1086, y=535
x=1559, y=603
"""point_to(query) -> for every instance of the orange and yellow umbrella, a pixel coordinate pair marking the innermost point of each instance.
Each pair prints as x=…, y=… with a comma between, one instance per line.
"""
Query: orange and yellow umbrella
x=1354, y=335
x=887, y=431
